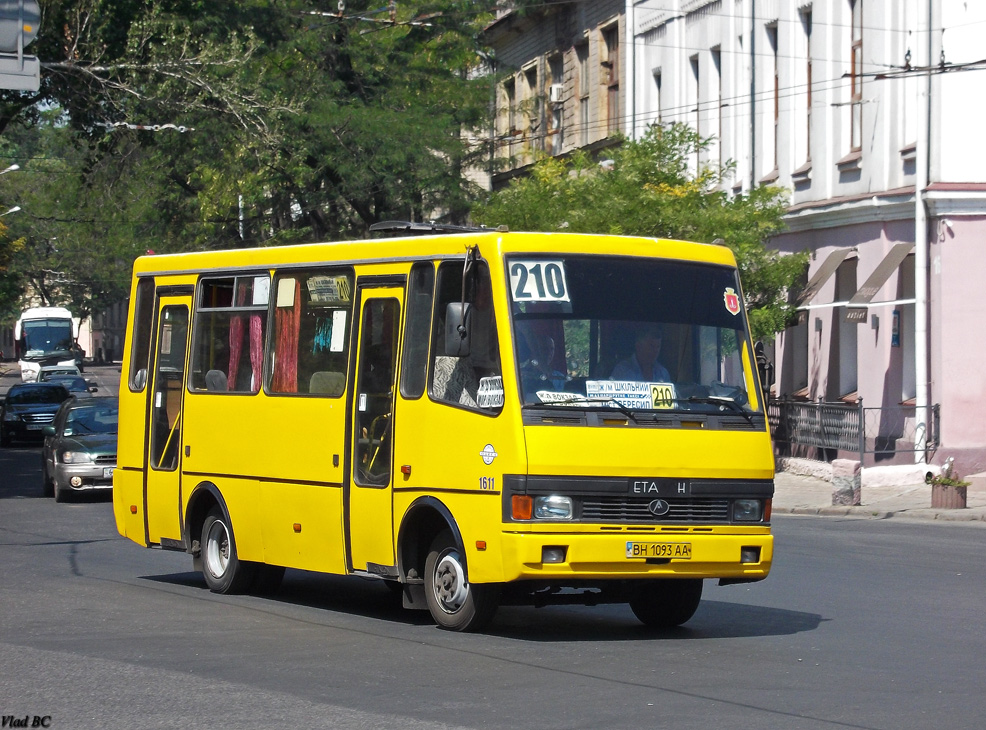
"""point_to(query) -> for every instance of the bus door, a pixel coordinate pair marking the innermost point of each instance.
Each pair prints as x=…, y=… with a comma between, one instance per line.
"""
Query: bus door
x=162, y=494
x=370, y=499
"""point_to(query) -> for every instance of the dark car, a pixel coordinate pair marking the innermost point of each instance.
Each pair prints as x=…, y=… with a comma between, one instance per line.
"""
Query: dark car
x=76, y=385
x=27, y=408
x=79, y=452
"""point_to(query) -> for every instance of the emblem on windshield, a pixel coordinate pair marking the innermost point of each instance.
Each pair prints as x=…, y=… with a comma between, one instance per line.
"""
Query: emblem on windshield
x=488, y=453
x=658, y=507
x=731, y=298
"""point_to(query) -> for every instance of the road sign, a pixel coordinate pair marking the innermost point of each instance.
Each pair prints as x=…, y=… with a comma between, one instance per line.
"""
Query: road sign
x=19, y=20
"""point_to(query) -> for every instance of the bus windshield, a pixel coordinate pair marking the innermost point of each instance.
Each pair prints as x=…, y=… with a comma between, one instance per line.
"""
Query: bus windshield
x=43, y=337
x=637, y=334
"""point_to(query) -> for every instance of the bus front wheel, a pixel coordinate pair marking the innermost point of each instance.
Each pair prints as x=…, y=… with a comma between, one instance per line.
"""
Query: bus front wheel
x=665, y=604
x=455, y=603
x=224, y=572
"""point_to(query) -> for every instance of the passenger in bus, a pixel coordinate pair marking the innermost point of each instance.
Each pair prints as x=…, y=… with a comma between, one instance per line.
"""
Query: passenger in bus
x=537, y=354
x=643, y=364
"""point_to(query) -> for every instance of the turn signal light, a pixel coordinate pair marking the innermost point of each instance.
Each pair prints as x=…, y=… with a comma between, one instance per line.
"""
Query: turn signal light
x=521, y=507
x=133, y=509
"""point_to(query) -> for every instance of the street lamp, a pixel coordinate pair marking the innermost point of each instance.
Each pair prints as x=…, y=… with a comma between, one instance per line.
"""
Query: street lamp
x=12, y=210
x=12, y=168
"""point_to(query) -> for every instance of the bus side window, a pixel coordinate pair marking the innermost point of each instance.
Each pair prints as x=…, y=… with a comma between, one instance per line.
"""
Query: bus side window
x=228, y=340
x=311, y=333
x=420, y=294
x=140, y=347
x=473, y=381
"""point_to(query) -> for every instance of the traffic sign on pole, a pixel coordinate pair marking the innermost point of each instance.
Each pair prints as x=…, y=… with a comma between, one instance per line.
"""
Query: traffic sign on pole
x=19, y=20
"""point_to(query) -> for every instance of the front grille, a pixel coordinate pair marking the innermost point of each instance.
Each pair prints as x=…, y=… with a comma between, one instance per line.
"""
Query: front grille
x=108, y=460
x=620, y=510
x=38, y=417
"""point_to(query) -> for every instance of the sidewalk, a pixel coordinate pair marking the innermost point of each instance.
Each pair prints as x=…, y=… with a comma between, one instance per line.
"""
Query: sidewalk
x=809, y=495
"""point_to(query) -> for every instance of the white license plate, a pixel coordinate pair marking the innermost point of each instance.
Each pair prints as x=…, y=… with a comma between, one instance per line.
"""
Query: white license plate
x=107, y=472
x=34, y=426
x=673, y=550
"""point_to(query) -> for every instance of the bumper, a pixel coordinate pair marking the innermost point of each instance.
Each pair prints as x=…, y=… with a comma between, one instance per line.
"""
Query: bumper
x=84, y=477
x=20, y=431
x=744, y=556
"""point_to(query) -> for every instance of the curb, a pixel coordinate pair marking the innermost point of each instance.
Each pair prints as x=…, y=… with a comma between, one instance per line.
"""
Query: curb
x=871, y=514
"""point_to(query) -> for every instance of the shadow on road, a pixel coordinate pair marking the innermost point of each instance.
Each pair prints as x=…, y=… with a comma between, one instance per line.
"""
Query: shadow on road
x=613, y=622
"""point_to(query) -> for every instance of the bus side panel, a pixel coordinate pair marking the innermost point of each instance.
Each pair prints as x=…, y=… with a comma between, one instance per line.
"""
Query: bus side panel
x=283, y=438
x=286, y=446
x=128, y=503
x=302, y=526
x=447, y=449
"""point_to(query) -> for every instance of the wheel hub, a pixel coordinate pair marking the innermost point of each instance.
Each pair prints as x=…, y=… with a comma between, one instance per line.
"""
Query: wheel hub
x=217, y=549
x=451, y=588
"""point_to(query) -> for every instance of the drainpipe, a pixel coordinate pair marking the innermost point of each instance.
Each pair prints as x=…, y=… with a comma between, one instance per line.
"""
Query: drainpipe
x=631, y=81
x=753, y=94
x=921, y=246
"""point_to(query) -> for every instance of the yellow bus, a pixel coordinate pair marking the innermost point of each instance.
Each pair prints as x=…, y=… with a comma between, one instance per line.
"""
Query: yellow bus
x=476, y=418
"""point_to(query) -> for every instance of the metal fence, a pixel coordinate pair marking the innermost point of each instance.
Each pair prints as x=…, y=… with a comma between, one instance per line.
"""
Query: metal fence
x=883, y=432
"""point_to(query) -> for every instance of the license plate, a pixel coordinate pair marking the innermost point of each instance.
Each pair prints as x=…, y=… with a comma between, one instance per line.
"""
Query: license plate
x=674, y=550
x=34, y=427
x=107, y=472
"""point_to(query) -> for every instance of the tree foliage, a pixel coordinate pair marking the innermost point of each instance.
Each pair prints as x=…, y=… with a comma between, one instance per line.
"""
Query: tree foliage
x=649, y=188
x=187, y=124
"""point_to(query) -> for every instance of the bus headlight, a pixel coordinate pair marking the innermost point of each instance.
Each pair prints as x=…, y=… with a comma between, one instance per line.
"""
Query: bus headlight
x=747, y=510
x=10, y=416
x=76, y=457
x=553, y=508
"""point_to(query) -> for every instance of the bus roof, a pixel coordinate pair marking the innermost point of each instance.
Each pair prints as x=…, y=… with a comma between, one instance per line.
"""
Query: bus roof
x=492, y=243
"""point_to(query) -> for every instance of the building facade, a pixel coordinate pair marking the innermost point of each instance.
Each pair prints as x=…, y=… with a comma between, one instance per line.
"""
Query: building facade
x=864, y=110
x=561, y=82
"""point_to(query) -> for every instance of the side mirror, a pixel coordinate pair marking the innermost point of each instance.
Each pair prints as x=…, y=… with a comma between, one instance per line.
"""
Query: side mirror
x=48, y=430
x=458, y=322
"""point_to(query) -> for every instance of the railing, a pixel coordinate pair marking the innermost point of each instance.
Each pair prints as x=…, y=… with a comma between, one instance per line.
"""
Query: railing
x=883, y=432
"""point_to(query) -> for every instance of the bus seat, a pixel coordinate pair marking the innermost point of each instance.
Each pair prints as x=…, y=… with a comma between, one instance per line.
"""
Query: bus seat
x=215, y=380
x=455, y=381
x=327, y=382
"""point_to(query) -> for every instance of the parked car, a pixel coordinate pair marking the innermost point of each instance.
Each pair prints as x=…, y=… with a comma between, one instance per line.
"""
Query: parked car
x=76, y=385
x=79, y=452
x=50, y=371
x=27, y=408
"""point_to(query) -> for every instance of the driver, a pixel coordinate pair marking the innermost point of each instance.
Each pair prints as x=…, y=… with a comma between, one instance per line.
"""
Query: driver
x=643, y=364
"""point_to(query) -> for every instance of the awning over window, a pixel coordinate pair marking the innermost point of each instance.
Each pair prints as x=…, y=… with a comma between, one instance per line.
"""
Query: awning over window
x=822, y=275
x=857, y=305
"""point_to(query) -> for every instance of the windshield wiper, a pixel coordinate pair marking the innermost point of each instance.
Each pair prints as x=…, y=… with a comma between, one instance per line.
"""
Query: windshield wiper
x=580, y=400
x=720, y=400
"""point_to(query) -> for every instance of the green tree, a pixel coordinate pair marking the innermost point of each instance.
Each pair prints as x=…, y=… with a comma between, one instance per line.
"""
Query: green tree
x=649, y=188
x=188, y=124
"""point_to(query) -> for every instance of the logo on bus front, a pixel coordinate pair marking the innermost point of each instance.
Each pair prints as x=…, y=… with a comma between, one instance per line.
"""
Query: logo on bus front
x=488, y=453
x=731, y=298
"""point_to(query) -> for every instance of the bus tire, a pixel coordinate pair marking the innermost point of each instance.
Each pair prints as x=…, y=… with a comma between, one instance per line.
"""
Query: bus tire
x=454, y=603
x=664, y=604
x=223, y=571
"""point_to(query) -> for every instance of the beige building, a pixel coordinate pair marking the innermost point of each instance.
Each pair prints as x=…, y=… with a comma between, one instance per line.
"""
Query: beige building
x=561, y=82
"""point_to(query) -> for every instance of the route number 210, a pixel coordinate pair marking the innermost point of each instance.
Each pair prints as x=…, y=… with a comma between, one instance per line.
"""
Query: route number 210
x=538, y=281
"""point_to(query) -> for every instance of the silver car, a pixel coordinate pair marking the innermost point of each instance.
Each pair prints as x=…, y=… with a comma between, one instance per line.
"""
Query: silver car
x=79, y=451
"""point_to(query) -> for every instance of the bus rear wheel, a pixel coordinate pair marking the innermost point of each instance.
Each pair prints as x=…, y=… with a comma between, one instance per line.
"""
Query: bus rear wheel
x=454, y=602
x=223, y=571
x=664, y=604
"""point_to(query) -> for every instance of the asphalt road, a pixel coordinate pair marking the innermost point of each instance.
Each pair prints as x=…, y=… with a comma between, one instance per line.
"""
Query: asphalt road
x=862, y=624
